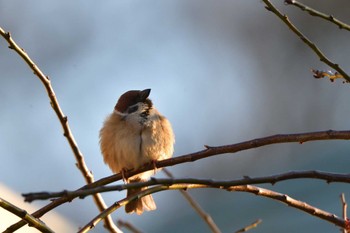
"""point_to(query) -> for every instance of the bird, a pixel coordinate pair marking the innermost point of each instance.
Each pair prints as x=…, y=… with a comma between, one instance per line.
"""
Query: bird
x=135, y=134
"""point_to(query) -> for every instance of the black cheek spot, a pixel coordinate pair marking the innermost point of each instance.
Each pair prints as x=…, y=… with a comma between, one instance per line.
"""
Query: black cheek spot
x=132, y=109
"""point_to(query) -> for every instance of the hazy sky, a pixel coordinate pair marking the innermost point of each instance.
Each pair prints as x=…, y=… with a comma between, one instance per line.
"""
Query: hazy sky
x=221, y=71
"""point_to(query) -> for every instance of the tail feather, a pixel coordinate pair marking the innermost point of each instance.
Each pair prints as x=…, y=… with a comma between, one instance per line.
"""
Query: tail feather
x=139, y=205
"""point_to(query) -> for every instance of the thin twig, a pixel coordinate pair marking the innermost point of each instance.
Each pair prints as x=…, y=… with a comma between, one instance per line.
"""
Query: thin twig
x=32, y=221
x=241, y=188
x=128, y=225
x=205, y=216
x=251, y=226
x=64, y=123
x=323, y=58
x=316, y=13
x=273, y=179
x=345, y=206
x=291, y=202
x=119, y=204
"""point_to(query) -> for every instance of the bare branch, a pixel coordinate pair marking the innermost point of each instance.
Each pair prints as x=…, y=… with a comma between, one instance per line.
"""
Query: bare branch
x=212, y=151
x=32, y=221
x=64, y=122
x=241, y=188
x=251, y=226
x=316, y=13
x=83, y=192
x=233, y=148
x=205, y=216
x=323, y=58
x=291, y=202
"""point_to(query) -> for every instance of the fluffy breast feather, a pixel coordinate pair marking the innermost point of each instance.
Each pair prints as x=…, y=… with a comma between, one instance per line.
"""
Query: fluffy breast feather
x=119, y=143
x=127, y=144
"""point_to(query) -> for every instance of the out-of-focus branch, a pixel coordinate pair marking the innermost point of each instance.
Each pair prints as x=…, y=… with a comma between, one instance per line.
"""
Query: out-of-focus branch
x=273, y=179
x=128, y=225
x=32, y=221
x=319, y=53
x=205, y=216
x=316, y=13
x=64, y=122
x=345, y=206
x=240, y=188
x=251, y=226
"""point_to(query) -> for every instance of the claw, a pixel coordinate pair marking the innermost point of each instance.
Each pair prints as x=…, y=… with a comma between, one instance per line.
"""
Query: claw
x=154, y=166
x=122, y=172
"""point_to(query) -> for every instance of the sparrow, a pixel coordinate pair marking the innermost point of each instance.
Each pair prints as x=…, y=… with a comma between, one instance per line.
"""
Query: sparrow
x=134, y=134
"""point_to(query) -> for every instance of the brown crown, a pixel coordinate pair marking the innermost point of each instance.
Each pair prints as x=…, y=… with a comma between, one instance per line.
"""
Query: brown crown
x=130, y=98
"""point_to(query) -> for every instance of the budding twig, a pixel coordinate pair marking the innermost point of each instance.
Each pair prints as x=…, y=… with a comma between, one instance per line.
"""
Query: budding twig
x=308, y=42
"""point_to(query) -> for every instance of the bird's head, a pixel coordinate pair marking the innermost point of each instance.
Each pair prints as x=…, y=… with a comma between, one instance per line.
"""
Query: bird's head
x=134, y=101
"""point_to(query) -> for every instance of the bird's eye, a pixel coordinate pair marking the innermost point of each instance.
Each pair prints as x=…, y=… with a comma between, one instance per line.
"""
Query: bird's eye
x=132, y=109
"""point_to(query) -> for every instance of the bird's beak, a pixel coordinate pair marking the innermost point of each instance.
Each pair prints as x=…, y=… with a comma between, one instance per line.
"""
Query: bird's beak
x=144, y=94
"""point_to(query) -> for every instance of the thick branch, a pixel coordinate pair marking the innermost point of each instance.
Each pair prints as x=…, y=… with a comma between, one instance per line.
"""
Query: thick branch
x=233, y=148
x=323, y=58
x=64, y=123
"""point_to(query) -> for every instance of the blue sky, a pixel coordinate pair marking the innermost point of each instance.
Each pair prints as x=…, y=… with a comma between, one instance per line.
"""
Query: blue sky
x=222, y=72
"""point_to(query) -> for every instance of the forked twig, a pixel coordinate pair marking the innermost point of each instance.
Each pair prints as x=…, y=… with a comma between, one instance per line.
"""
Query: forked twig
x=319, y=53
